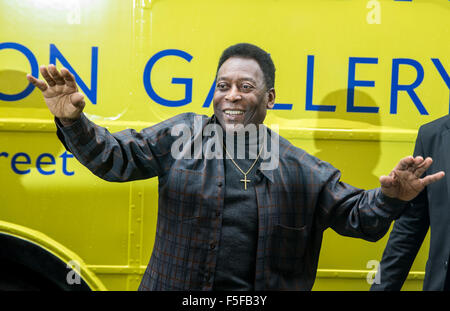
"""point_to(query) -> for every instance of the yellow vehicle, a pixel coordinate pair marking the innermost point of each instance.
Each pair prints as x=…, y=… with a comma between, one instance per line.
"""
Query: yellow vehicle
x=355, y=80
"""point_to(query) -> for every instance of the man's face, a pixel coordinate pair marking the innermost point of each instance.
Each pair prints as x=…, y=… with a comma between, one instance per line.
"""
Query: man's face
x=241, y=96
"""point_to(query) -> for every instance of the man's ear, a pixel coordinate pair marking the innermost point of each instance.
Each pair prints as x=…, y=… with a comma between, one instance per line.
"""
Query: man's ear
x=270, y=98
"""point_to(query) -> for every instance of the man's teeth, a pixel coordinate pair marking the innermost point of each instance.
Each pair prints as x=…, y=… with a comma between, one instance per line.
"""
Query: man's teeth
x=234, y=112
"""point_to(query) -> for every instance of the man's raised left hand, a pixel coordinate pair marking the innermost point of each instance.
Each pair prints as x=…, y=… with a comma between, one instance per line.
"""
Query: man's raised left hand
x=404, y=182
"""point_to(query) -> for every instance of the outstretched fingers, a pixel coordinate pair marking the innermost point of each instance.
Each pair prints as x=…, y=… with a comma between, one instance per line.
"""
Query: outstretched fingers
x=37, y=83
x=405, y=163
x=53, y=77
x=57, y=77
x=69, y=78
x=387, y=181
x=48, y=78
x=432, y=178
x=423, y=166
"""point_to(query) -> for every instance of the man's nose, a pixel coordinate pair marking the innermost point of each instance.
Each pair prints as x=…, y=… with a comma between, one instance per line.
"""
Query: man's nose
x=233, y=94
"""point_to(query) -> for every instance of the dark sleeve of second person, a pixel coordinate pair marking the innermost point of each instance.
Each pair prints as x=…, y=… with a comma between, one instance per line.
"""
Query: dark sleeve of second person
x=405, y=239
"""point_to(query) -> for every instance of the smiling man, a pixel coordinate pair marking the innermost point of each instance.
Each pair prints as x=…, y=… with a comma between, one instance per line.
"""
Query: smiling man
x=227, y=223
x=244, y=88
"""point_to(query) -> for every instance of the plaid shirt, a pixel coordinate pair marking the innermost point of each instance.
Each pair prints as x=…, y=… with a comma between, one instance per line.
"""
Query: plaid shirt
x=296, y=202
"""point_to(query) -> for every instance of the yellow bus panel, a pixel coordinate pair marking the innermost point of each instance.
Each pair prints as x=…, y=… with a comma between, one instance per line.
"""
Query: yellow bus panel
x=354, y=81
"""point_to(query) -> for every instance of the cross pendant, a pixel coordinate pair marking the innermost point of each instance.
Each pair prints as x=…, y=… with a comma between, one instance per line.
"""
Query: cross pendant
x=245, y=181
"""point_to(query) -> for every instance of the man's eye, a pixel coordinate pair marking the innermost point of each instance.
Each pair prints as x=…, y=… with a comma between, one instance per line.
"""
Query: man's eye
x=221, y=85
x=246, y=86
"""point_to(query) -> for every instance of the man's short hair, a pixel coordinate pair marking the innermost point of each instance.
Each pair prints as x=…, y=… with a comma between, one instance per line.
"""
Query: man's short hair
x=247, y=50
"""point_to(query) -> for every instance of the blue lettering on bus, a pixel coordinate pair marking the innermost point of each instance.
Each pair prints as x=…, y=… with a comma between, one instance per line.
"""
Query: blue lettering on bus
x=64, y=157
x=34, y=70
x=352, y=61
x=210, y=95
x=55, y=54
x=14, y=162
x=39, y=162
x=309, y=89
x=187, y=82
x=444, y=75
x=409, y=88
x=91, y=93
x=282, y=106
x=22, y=158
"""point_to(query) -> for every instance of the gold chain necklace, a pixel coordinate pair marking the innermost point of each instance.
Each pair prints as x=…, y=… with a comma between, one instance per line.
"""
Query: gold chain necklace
x=245, y=180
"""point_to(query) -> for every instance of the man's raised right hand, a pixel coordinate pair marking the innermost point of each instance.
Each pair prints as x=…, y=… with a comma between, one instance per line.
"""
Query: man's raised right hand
x=60, y=93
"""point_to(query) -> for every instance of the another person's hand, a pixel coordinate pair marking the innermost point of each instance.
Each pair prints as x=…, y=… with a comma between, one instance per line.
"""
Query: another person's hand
x=60, y=93
x=404, y=181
